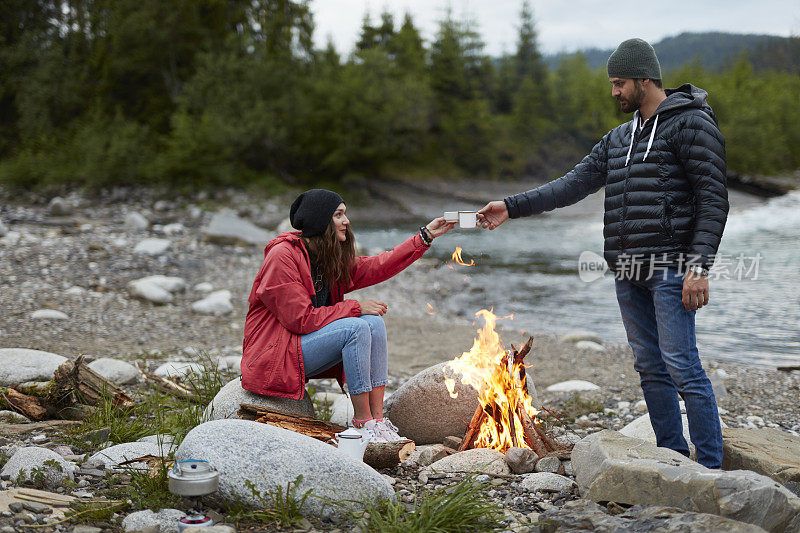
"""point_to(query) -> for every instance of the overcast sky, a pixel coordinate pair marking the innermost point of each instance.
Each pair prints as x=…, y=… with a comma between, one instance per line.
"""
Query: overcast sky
x=564, y=25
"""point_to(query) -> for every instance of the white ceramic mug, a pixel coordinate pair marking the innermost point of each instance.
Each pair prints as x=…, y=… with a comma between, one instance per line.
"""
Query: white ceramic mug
x=467, y=219
x=451, y=216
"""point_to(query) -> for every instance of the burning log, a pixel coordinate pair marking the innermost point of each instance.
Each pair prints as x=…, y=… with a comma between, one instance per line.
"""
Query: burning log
x=472, y=429
x=377, y=454
x=531, y=435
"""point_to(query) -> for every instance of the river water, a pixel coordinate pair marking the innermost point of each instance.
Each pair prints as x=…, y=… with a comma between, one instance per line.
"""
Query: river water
x=529, y=267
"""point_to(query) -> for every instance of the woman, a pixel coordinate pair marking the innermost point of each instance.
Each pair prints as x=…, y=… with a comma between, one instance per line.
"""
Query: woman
x=299, y=326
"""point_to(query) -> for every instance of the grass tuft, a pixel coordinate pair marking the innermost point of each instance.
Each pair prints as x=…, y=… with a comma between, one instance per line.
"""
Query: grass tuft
x=148, y=489
x=575, y=407
x=458, y=508
x=282, y=507
x=323, y=407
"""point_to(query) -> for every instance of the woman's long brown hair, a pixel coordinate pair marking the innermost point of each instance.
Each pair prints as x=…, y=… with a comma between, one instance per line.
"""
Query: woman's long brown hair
x=334, y=259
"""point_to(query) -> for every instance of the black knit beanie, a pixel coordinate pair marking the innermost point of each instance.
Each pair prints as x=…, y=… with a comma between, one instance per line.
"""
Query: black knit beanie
x=311, y=212
x=635, y=59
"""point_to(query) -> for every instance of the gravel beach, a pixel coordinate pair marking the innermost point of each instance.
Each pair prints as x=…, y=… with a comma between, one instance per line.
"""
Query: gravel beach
x=80, y=263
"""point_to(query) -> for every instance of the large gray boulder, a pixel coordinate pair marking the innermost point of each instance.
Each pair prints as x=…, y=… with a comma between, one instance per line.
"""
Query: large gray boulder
x=585, y=515
x=270, y=457
x=227, y=228
x=612, y=467
x=116, y=371
x=480, y=460
x=423, y=410
x=768, y=451
x=227, y=401
x=27, y=462
x=18, y=365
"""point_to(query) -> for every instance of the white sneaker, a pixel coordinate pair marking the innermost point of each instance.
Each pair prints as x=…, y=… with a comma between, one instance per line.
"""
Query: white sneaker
x=384, y=428
x=370, y=431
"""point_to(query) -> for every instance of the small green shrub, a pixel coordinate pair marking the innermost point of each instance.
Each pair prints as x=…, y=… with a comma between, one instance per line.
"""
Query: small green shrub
x=459, y=508
x=281, y=507
x=145, y=489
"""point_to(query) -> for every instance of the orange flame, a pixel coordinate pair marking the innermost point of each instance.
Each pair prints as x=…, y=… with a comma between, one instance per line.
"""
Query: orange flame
x=430, y=310
x=457, y=258
x=489, y=368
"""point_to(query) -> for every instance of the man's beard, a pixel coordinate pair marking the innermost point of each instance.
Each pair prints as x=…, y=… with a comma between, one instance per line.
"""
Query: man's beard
x=635, y=102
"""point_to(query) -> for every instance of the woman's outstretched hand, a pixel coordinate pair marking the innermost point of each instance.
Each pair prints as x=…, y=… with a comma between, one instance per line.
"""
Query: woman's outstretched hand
x=373, y=307
x=438, y=226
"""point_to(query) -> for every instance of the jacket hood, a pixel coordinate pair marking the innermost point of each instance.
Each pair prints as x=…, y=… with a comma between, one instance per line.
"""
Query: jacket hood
x=292, y=237
x=687, y=96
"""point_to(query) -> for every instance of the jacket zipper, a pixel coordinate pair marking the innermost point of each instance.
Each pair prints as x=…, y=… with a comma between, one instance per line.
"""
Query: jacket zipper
x=625, y=188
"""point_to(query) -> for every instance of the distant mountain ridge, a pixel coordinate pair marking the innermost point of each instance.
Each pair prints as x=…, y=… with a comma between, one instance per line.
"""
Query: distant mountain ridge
x=714, y=51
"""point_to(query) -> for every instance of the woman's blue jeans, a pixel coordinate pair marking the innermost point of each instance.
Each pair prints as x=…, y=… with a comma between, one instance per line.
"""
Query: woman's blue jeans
x=358, y=342
x=662, y=335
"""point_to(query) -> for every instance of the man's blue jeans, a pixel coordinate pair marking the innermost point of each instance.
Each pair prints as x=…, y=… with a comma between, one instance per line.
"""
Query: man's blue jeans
x=358, y=342
x=662, y=335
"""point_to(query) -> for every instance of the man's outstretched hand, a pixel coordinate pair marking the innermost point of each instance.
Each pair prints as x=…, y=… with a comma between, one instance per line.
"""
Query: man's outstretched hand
x=494, y=214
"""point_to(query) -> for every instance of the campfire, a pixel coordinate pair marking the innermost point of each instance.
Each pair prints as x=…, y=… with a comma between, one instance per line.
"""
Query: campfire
x=505, y=416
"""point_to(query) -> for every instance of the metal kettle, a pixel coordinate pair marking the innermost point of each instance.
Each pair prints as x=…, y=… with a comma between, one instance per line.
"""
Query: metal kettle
x=352, y=443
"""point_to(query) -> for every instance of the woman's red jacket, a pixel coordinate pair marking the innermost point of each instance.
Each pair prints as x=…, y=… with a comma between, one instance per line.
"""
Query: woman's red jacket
x=281, y=311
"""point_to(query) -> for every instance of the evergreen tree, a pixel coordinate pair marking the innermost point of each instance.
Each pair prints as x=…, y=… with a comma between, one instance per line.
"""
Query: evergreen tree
x=463, y=122
x=407, y=48
x=532, y=106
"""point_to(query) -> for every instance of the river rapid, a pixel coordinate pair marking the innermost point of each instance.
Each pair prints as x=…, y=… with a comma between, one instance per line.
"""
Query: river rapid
x=529, y=267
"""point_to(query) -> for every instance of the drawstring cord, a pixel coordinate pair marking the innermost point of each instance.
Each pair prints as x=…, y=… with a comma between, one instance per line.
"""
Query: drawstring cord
x=633, y=132
x=650, y=142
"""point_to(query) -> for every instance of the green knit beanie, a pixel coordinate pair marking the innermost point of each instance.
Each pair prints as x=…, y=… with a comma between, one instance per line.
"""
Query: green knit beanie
x=636, y=59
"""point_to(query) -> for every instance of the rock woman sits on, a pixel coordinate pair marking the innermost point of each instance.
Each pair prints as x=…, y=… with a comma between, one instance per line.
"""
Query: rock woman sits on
x=300, y=326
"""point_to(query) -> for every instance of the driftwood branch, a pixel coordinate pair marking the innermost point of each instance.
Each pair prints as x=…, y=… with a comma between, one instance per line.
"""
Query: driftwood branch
x=74, y=382
x=169, y=386
x=30, y=406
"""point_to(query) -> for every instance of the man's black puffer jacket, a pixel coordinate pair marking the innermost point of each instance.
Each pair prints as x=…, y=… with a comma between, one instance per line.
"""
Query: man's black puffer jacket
x=666, y=198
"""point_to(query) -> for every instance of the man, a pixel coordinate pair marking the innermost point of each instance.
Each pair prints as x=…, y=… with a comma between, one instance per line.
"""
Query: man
x=666, y=204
